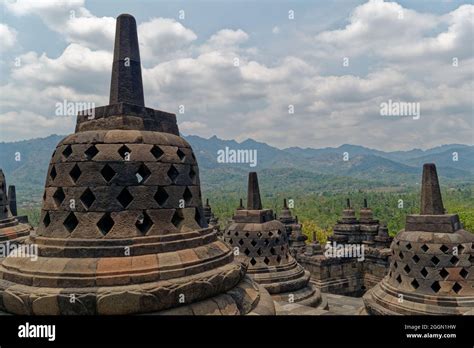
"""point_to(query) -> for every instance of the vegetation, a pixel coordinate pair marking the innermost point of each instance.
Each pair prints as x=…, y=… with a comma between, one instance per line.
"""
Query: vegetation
x=319, y=212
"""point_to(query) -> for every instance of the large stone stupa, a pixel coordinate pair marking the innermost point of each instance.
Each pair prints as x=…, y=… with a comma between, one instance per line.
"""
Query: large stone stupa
x=431, y=269
x=264, y=241
x=122, y=229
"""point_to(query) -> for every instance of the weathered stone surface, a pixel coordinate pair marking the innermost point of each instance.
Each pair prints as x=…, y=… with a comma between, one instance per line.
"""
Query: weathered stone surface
x=122, y=228
x=263, y=242
x=431, y=265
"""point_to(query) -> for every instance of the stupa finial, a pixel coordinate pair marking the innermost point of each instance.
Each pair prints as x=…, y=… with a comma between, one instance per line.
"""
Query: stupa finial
x=253, y=194
x=431, y=201
x=126, y=85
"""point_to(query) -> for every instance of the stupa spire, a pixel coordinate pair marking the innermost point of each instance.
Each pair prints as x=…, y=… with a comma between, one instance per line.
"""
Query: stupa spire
x=431, y=201
x=253, y=194
x=126, y=85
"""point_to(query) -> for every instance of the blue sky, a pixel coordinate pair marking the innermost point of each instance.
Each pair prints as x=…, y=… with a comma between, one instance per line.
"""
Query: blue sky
x=401, y=51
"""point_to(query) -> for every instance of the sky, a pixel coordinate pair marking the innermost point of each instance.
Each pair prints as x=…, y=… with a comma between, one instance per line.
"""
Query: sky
x=287, y=73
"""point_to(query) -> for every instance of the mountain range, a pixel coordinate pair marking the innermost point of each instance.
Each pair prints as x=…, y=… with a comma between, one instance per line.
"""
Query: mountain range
x=290, y=169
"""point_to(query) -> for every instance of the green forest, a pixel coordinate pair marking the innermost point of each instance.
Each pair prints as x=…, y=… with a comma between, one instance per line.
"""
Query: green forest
x=318, y=212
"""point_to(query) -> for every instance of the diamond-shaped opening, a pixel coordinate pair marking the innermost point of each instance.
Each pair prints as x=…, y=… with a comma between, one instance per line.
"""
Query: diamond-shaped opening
x=241, y=242
x=415, y=284
x=125, y=198
x=253, y=261
x=278, y=258
x=443, y=273
x=91, y=152
x=277, y=240
x=105, y=223
x=408, y=246
x=156, y=151
x=177, y=218
x=231, y=241
x=399, y=279
x=443, y=248
x=270, y=233
x=463, y=273
x=454, y=260
x=67, y=151
x=425, y=248
x=142, y=173
x=435, y=260
x=173, y=173
x=457, y=287
x=247, y=234
x=161, y=196
x=424, y=272
x=272, y=250
x=460, y=248
x=259, y=234
x=407, y=269
x=70, y=222
x=187, y=196
x=124, y=152
x=59, y=196
x=87, y=198
x=253, y=242
x=266, y=260
x=247, y=251
x=46, y=219
x=143, y=223
x=259, y=251
x=107, y=173
x=279, y=232
x=415, y=258
x=75, y=173
x=236, y=233
x=435, y=286
x=401, y=255
x=266, y=242
x=181, y=155
x=395, y=264
x=192, y=173
x=52, y=173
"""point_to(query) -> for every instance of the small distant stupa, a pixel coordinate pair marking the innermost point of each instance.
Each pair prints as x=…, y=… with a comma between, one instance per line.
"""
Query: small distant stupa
x=264, y=242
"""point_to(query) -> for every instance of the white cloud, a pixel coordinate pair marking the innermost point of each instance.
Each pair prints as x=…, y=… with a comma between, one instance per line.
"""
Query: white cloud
x=24, y=124
x=409, y=59
x=7, y=37
x=162, y=36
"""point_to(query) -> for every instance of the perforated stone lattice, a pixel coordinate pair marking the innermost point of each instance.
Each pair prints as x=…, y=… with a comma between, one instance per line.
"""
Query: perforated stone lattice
x=432, y=269
x=263, y=248
x=138, y=179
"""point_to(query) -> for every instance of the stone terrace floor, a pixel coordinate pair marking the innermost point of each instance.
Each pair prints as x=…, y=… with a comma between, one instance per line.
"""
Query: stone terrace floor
x=338, y=305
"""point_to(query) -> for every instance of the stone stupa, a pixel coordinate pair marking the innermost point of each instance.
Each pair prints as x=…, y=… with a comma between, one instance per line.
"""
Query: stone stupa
x=12, y=231
x=264, y=241
x=122, y=229
x=431, y=269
